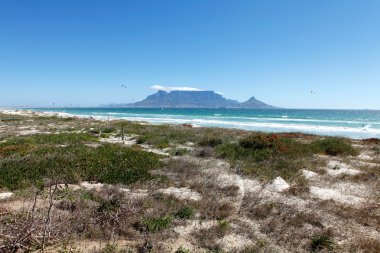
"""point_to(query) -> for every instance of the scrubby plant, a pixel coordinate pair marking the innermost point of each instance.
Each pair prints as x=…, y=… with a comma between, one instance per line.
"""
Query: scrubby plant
x=107, y=163
x=205, y=152
x=322, y=242
x=224, y=224
x=376, y=149
x=185, y=213
x=108, y=130
x=333, y=146
x=109, y=248
x=109, y=205
x=210, y=141
x=62, y=138
x=153, y=224
x=179, y=151
x=182, y=250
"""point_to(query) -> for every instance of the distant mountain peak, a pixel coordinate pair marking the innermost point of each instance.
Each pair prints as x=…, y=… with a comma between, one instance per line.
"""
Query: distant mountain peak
x=194, y=99
x=254, y=103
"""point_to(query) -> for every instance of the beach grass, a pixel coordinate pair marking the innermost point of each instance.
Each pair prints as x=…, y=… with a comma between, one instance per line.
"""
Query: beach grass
x=31, y=160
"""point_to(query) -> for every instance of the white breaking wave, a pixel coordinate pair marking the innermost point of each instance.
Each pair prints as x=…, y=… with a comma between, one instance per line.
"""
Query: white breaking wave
x=261, y=125
x=359, y=130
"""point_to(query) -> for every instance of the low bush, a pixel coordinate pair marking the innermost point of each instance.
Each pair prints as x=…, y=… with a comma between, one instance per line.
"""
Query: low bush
x=333, y=146
x=179, y=151
x=182, y=250
x=210, y=141
x=224, y=224
x=62, y=138
x=107, y=163
x=108, y=130
x=322, y=242
x=109, y=205
x=266, y=155
x=185, y=213
x=153, y=224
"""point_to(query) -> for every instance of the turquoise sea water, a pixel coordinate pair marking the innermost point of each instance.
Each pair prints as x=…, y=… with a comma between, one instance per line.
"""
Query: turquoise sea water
x=348, y=123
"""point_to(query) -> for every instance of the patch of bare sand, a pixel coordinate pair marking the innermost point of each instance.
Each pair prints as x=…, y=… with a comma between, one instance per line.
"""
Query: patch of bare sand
x=181, y=193
x=6, y=195
x=336, y=168
x=234, y=242
x=332, y=194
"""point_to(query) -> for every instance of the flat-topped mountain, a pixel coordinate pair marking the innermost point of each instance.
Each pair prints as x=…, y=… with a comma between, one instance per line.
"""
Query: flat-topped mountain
x=193, y=99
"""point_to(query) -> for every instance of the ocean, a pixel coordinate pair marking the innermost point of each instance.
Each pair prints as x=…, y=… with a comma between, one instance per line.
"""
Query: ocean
x=356, y=124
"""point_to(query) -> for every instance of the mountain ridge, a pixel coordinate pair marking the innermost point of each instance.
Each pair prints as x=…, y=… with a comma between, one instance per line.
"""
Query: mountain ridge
x=193, y=99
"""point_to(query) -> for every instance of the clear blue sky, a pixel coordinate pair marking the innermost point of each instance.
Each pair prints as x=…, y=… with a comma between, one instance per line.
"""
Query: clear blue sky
x=80, y=52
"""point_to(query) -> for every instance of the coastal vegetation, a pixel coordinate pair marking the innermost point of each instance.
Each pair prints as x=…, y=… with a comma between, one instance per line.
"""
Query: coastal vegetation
x=135, y=187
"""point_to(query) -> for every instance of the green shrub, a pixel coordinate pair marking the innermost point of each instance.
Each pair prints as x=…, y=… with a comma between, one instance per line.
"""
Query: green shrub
x=376, y=149
x=179, y=152
x=210, y=141
x=224, y=224
x=266, y=155
x=62, y=138
x=156, y=224
x=182, y=250
x=185, y=213
x=108, y=163
x=104, y=135
x=108, y=130
x=109, y=205
x=109, y=248
x=322, y=242
x=333, y=146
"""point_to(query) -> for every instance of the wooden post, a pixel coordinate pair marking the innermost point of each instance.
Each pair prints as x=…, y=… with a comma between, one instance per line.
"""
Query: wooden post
x=122, y=132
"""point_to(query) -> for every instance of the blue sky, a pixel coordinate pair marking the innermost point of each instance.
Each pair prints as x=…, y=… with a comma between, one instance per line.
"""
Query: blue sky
x=77, y=52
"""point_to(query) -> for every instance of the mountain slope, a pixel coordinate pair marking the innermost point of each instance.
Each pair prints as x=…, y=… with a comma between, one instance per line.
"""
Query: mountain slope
x=254, y=103
x=193, y=99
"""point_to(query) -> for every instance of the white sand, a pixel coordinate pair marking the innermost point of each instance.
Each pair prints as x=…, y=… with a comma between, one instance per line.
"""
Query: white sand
x=233, y=242
x=336, y=168
x=182, y=193
x=6, y=195
x=331, y=194
x=309, y=174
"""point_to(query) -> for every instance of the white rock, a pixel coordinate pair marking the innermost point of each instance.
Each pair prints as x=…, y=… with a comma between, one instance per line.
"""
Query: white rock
x=278, y=185
x=6, y=195
x=182, y=193
x=309, y=174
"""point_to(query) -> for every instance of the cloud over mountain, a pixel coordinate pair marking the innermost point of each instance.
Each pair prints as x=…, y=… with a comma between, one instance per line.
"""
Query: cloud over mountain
x=169, y=88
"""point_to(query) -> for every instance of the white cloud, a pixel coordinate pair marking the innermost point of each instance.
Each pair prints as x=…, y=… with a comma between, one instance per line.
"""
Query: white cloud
x=167, y=88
